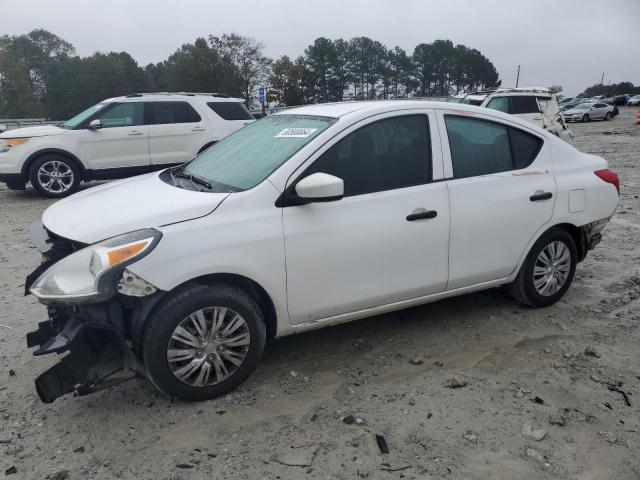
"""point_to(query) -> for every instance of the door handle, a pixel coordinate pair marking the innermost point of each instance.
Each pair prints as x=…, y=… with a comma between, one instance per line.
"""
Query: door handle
x=421, y=214
x=540, y=195
x=135, y=132
x=197, y=129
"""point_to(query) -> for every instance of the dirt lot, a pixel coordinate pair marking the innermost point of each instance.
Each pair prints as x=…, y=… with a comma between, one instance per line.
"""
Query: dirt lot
x=549, y=368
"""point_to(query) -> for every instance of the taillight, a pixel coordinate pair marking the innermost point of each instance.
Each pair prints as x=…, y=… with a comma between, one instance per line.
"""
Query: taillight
x=609, y=176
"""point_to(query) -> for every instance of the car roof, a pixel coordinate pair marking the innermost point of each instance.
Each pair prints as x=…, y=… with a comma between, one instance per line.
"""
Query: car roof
x=160, y=96
x=361, y=109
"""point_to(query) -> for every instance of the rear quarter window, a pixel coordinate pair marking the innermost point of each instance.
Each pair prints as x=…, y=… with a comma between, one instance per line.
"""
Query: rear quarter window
x=230, y=110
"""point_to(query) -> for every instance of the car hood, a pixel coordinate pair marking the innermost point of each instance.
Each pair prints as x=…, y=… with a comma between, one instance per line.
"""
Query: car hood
x=126, y=205
x=39, y=131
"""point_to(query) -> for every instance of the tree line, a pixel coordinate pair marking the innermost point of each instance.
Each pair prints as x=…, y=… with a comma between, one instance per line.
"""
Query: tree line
x=611, y=89
x=42, y=76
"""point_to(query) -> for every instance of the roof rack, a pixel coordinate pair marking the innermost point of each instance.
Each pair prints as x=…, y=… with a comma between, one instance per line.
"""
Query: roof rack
x=189, y=94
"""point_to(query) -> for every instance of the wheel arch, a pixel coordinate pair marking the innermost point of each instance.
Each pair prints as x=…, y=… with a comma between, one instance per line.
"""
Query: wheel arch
x=51, y=151
x=142, y=315
x=577, y=233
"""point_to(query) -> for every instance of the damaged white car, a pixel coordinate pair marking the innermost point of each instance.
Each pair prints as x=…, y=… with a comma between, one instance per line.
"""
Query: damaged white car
x=534, y=104
x=306, y=218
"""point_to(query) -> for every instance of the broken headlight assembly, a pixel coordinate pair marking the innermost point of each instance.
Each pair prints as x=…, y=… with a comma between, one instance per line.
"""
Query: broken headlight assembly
x=91, y=274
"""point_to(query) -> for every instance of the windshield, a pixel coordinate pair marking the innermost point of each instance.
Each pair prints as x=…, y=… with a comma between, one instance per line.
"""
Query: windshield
x=81, y=117
x=244, y=159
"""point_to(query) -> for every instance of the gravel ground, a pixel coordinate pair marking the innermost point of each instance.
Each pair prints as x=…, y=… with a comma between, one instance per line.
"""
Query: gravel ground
x=319, y=399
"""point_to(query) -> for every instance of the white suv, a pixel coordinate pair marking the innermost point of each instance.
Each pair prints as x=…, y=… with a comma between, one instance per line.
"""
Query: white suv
x=118, y=137
x=307, y=218
x=537, y=105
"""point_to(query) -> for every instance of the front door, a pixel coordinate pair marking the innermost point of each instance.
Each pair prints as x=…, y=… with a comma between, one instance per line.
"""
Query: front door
x=387, y=239
x=502, y=192
x=123, y=140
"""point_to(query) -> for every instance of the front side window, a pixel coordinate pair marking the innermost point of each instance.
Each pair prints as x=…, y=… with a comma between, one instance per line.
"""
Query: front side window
x=384, y=155
x=230, y=110
x=499, y=103
x=481, y=147
x=123, y=115
x=245, y=158
x=163, y=113
x=74, y=122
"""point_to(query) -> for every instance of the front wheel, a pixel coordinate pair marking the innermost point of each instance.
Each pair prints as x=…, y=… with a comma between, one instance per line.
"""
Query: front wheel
x=585, y=118
x=203, y=341
x=54, y=176
x=608, y=116
x=548, y=270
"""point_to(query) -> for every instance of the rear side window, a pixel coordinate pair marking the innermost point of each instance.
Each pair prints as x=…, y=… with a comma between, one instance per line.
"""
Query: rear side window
x=523, y=105
x=230, y=110
x=480, y=147
x=163, y=113
x=384, y=155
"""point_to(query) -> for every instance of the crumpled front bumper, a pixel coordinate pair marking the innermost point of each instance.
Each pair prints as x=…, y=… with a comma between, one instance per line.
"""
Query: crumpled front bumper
x=97, y=354
x=97, y=342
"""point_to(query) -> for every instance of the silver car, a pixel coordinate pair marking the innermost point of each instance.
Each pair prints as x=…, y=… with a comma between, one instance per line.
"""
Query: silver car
x=585, y=112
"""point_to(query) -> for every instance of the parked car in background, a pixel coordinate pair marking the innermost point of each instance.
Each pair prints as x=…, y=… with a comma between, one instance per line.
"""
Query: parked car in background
x=3, y=127
x=634, y=101
x=536, y=105
x=573, y=103
x=585, y=112
x=118, y=137
x=281, y=227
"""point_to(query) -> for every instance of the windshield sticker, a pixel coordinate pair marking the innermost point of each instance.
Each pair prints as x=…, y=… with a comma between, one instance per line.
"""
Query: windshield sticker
x=295, y=132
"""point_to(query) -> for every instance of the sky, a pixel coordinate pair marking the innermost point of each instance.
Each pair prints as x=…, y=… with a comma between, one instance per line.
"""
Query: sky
x=563, y=42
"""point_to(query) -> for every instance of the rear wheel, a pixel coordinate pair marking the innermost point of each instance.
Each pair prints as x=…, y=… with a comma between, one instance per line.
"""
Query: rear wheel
x=54, y=176
x=547, y=271
x=203, y=341
x=585, y=118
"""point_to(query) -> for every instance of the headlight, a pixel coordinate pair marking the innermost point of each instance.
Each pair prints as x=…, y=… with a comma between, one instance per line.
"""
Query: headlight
x=90, y=274
x=7, y=143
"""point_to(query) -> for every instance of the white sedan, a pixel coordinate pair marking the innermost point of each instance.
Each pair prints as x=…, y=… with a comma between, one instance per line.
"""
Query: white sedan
x=307, y=218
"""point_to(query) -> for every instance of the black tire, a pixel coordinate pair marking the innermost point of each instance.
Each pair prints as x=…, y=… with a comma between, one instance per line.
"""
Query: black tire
x=170, y=313
x=66, y=165
x=608, y=116
x=585, y=118
x=523, y=289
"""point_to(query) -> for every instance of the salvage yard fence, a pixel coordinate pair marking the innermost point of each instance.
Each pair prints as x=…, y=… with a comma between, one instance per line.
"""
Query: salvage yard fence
x=11, y=123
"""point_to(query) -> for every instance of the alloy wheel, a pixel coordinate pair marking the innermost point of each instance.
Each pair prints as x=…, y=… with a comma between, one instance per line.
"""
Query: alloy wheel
x=55, y=176
x=551, y=269
x=208, y=346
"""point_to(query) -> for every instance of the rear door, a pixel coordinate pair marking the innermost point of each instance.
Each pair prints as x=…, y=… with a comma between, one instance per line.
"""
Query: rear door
x=527, y=108
x=387, y=239
x=600, y=110
x=177, y=131
x=123, y=140
x=501, y=191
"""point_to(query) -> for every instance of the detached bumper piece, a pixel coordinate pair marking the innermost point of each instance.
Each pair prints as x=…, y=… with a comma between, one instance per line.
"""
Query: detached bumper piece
x=96, y=354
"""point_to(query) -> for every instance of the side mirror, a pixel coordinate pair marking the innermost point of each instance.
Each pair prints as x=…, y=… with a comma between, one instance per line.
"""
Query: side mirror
x=320, y=187
x=95, y=124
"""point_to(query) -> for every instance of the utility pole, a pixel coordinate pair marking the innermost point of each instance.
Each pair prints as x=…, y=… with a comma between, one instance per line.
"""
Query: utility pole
x=602, y=79
x=518, y=76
